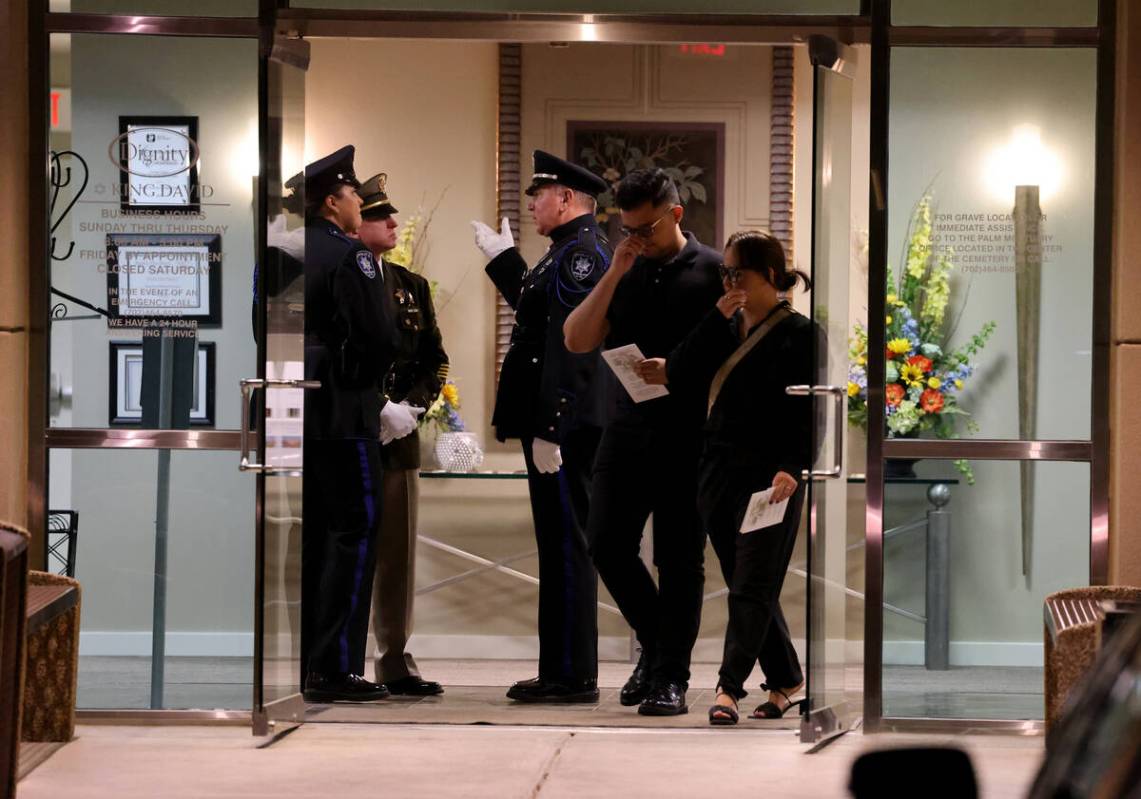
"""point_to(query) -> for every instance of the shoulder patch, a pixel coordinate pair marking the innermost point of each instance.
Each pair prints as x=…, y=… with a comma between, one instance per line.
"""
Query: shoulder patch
x=364, y=261
x=581, y=266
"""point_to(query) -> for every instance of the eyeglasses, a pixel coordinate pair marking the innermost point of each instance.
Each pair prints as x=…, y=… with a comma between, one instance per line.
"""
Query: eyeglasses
x=646, y=231
x=730, y=273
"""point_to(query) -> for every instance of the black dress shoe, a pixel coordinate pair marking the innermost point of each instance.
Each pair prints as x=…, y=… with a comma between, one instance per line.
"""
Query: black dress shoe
x=413, y=686
x=638, y=686
x=341, y=688
x=538, y=690
x=666, y=699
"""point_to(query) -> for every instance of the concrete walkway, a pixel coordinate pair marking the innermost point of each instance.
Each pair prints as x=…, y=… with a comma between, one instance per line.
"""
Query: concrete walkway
x=502, y=762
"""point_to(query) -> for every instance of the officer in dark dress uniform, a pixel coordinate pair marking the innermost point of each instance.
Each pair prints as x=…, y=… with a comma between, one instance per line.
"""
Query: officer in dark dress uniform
x=413, y=383
x=350, y=343
x=551, y=400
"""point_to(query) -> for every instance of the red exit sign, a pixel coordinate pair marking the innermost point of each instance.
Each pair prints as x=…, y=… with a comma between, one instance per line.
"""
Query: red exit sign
x=60, y=109
x=710, y=50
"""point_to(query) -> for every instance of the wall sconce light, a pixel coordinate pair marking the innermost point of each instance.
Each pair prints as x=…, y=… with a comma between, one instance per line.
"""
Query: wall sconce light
x=1023, y=161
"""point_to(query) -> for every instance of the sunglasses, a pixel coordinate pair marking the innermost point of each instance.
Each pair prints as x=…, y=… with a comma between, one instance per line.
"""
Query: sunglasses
x=730, y=273
x=646, y=231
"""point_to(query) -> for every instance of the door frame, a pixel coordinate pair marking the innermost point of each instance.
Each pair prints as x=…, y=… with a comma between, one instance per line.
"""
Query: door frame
x=1094, y=451
x=871, y=25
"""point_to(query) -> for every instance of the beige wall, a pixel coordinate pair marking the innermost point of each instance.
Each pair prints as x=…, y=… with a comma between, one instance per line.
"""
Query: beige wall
x=1125, y=363
x=13, y=274
x=425, y=113
x=651, y=83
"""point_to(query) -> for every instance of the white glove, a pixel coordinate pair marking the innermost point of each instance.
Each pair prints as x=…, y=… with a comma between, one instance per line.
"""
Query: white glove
x=492, y=243
x=290, y=242
x=397, y=420
x=546, y=455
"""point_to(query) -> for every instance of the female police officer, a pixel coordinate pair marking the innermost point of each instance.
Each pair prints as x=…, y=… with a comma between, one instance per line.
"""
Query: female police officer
x=350, y=340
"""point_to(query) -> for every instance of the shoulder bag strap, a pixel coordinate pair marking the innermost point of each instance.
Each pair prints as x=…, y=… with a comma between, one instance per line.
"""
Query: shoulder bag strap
x=746, y=346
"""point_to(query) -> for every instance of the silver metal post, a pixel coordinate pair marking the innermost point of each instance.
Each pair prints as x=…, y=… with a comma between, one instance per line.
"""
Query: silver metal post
x=162, y=517
x=937, y=634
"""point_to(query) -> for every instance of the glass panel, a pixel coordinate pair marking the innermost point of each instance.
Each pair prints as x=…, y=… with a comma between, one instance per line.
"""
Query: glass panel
x=160, y=8
x=599, y=6
x=1059, y=13
x=279, y=603
x=833, y=682
x=953, y=555
x=209, y=576
x=990, y=205
x=169, y=240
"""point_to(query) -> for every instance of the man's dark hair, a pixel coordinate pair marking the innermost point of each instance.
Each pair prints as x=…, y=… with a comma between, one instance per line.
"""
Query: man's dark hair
x=653, y=186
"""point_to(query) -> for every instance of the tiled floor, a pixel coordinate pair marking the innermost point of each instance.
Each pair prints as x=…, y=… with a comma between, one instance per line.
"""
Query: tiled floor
x=473, y=762
x=909, y=691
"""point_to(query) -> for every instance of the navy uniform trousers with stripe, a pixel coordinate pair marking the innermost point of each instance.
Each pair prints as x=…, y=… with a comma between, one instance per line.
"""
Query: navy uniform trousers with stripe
x=342, y=495
x=568, y=593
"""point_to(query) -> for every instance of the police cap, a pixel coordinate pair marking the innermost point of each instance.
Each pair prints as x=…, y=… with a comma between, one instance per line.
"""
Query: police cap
x=551, y=169
x=325, y=175
x=375, y=198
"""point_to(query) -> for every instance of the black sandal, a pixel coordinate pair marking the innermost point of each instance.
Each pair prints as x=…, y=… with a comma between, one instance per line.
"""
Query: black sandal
x=723, y=715
x=770, y=710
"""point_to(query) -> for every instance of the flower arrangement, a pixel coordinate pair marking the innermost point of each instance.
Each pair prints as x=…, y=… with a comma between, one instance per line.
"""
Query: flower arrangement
x=924, y=378
x=445, y=411
x=412, y=246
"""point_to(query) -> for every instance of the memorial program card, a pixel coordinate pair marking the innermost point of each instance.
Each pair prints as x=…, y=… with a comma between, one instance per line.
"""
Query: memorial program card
x=622, y=361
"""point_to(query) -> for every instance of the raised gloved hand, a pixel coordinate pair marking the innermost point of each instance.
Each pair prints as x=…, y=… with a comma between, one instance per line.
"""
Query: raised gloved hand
x=290, y=242
x=397, y=420
x=546, y=455
x=490, y=242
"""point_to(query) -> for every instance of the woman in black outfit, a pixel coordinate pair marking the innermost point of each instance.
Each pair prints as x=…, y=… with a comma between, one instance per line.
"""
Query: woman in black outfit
x=747, y=350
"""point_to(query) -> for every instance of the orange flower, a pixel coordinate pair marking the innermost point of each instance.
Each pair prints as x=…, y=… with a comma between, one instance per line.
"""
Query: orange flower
x=890, y=354
x=922, y=361
x=931, y=401
x=895, y=394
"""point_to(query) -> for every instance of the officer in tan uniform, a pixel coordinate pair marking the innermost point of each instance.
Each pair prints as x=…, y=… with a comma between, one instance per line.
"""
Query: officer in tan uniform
x=412, y=384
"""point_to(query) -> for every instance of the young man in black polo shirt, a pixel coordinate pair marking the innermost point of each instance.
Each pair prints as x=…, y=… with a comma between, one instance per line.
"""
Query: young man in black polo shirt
x=661, y=283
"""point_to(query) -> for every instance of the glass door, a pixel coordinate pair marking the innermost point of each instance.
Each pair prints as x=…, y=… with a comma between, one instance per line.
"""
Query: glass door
x=832, y=707
x=276, y=397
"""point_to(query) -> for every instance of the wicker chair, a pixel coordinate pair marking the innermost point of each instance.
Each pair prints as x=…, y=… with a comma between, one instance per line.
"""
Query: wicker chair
x=1072, y=619
x=13, y=595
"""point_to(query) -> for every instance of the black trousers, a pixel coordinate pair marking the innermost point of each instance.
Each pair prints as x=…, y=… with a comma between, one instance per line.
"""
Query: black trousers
x=341, y=512
x=568, y=584
x=754, y=566
x=638, y=473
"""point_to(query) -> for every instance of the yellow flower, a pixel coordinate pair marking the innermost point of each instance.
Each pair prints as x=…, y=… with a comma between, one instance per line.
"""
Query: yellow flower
x=451, y=395
x=862, y=360
x=853, y=389
x=911, y=374
x=959, y=384
x=899, y=346
x=888, y=319
x=934, y=382
x=891, y=299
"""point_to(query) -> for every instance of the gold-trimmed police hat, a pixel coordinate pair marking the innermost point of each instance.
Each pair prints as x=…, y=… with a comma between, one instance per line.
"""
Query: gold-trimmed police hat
x=324, y=175
x=552, y=169
x=375, y=197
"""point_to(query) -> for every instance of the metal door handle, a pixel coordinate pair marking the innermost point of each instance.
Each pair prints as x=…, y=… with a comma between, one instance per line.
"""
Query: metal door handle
x=838, y=395
x=249, y=385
